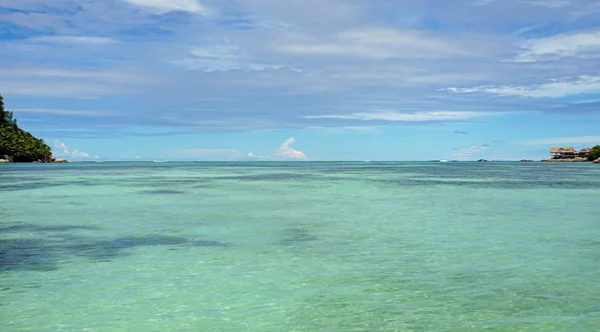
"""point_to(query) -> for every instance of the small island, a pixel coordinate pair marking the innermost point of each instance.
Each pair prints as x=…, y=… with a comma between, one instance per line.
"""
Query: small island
x=569, y=154
x=18, y=145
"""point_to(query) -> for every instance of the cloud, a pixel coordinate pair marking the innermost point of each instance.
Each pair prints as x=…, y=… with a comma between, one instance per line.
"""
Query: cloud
x=482, y=2
x=285, y=150
x=344, y=129
x=165, y=6
x=229, y=154
x=379, y=43
x=578, y=45
x=67, y=112
x=64, y=151
x=555, y=89
x=553, y=4
x=406, y=117
x=73, y=40
x=351, y=55
x=564, y=140
x=74, y=83
x=465, y=153
x=221, y=58
x=460, y=132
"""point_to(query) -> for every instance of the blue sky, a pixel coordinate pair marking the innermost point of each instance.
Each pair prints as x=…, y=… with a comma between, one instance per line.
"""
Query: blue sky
x=303, y=79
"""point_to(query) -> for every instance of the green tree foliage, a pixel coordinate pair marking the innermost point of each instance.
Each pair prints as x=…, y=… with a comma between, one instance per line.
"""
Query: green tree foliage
x=19, y=145
x=594, y=153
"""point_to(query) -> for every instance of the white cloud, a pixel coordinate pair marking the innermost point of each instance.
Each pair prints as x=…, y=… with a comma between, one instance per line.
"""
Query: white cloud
x=465, y=153
x=221, y=58
x=285, y=150
x=553, y=4
x=406, y=117
x=165, y=6
x=62, y=112
x=554, y=89
x=64, y=151
x=581, y=45
x=207, y=153
x=73, y=39
x=60, y=82
x=595, y=140
x=345, y=129
x=378, y=43
x=482, y=2
x=253, y=156
x=78, y=154
x=61, y=147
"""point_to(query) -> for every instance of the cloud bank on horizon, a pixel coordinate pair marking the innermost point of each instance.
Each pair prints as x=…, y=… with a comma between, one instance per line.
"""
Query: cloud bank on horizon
x=351, y=79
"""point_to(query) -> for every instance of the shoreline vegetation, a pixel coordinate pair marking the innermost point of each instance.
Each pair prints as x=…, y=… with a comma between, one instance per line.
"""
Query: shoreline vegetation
x=18, y=145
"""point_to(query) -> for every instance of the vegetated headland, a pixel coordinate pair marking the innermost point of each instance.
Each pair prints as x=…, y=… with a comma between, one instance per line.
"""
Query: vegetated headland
x=18, y=145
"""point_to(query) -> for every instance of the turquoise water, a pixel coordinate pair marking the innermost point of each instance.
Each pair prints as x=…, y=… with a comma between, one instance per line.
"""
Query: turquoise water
x=300, y=247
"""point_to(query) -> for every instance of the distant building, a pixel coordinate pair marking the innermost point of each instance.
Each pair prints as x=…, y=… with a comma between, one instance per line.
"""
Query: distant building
x=568, y=153
x=583, y=153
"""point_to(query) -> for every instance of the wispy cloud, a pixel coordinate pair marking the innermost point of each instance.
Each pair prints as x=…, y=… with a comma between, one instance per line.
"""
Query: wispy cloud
x=595, y=140
x=165, y=6
x=460, y=132
x=229, y=154
x=379, y=43
x=286, y=150
x=468, y=152
x=554, y=89
x=406, y=117
x=345, y=129
x=64, y=151
x=553, y=4
x=579, y=45
x=221, y=58
x=61, y=82
x=50, y=111
x=482, y=2
x=74, y=40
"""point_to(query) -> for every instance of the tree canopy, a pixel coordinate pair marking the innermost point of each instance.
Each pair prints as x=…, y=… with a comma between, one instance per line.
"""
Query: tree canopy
x=594, y=153
x=17, y=144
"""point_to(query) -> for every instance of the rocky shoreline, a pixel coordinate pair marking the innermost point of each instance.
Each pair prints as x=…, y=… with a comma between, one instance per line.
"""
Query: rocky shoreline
x=572, y=160
x=52, y=160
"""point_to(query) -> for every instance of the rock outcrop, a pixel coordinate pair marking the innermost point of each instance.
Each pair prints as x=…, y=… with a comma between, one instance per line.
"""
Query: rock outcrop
x=597, y=161
x=570, y=160
x=60, y=160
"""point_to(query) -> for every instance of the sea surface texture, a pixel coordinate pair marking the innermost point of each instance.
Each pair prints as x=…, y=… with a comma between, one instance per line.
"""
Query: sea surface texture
x=300, y=247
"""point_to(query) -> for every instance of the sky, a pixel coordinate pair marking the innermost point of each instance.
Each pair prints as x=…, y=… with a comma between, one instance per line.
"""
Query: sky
x=303, y=79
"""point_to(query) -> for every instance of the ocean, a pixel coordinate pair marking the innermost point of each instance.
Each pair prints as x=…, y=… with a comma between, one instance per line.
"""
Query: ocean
x=300, y=246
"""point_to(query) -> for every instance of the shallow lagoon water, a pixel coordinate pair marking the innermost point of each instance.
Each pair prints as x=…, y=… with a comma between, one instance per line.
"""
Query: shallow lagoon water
x=300, y=247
